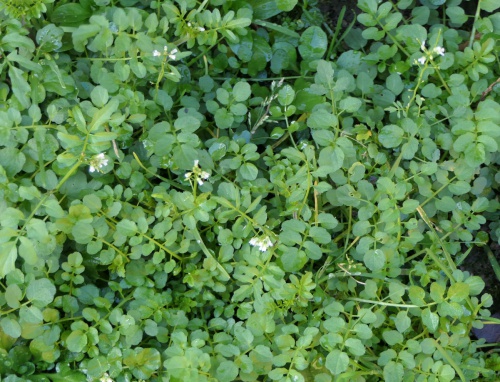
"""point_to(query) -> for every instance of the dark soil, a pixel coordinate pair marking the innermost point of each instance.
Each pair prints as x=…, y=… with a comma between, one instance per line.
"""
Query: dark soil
x=332, y=9
x=477, y=264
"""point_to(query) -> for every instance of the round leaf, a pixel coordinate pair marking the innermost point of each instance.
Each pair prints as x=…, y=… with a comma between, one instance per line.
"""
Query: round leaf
x=337, y=362
x=76, y=341
x=41, y=291
x=391, y=136
x=313, y=43
x=227, y=371
x=241, y=91
x=249, y=171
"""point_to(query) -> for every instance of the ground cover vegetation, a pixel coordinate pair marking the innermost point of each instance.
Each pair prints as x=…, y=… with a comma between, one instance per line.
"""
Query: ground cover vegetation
x=222, y=190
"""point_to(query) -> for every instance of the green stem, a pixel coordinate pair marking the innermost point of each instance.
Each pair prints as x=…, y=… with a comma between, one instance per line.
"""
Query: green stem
x=451, y=361
x=408, y=306
x=473, y=31
x=493, y=261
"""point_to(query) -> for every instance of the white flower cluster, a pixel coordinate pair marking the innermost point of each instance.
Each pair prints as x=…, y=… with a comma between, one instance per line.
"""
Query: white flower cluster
x=436, y=51
x=201, y=29
x=97, y=162
x=106, y=378
x=198, y=174
x=170, y=55
x=262, y=242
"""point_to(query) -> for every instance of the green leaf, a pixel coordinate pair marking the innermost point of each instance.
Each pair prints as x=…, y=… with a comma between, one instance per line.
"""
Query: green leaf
x=402, y=321
x=489, y=5
x=187, y=124
x=458, y=292
x=350, y=104
x=11, y=327
x=313, y=251
x=430, y=320
x=82, y=232
x=320, y=235
x=184, y=156
x=437, y=292
x=431, y=91
x=13, y=296
x=144, y=363
x=394, y=83
x=374, y=259
x=20, y=86
x=8, y=256
x=392, y=337
x=416, y=295
x=103, y=115
x=337, y=362
x=459, y=187
x=72, y=14
x=223, y=118
x=278, y=28
x=393, y=372
x=475, y=154
x=241, y=91
x=286, y=95
x=96, y=367
x=76, y=341
x=355, y=346
x=313, y=43
x=227, y=371
x=292, y=259
x=49, y=38
x=286, y=5
x=322, y=119
x=93, y=202
x=31, y=315
x=476, y=285
x=126, y=227
x=99, y=96
x=410, y=148
x=248, y=171
x=27, y=251
x=41, y=292
x=372, y=33
x=391, y=136
x=464, y=141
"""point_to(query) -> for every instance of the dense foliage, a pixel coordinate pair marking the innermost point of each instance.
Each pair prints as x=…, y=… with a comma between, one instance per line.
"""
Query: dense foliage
x=227, y=190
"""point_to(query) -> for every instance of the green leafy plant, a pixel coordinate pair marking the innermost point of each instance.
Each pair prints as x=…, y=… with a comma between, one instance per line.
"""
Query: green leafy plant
x=228, y=190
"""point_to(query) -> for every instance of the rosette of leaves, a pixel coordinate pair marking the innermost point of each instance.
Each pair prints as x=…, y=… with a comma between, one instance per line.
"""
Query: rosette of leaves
x=24, y=9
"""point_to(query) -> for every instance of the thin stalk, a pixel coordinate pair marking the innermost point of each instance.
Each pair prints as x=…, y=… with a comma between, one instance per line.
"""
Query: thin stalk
x=473, y=31
x=493, y=261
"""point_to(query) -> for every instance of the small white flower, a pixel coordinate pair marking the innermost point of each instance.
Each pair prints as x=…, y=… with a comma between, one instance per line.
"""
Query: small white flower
x=422, y=46
x=197, y=174
x=98, y=161
x=156, y=53
x=201, y=29
x=439, y=50
x=204, y=175
x=422, y=60
x=263, y=243
x=106, y=378
x=171, y=55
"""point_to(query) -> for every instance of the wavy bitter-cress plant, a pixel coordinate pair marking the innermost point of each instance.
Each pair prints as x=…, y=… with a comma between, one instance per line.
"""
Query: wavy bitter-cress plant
x=227, y=190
